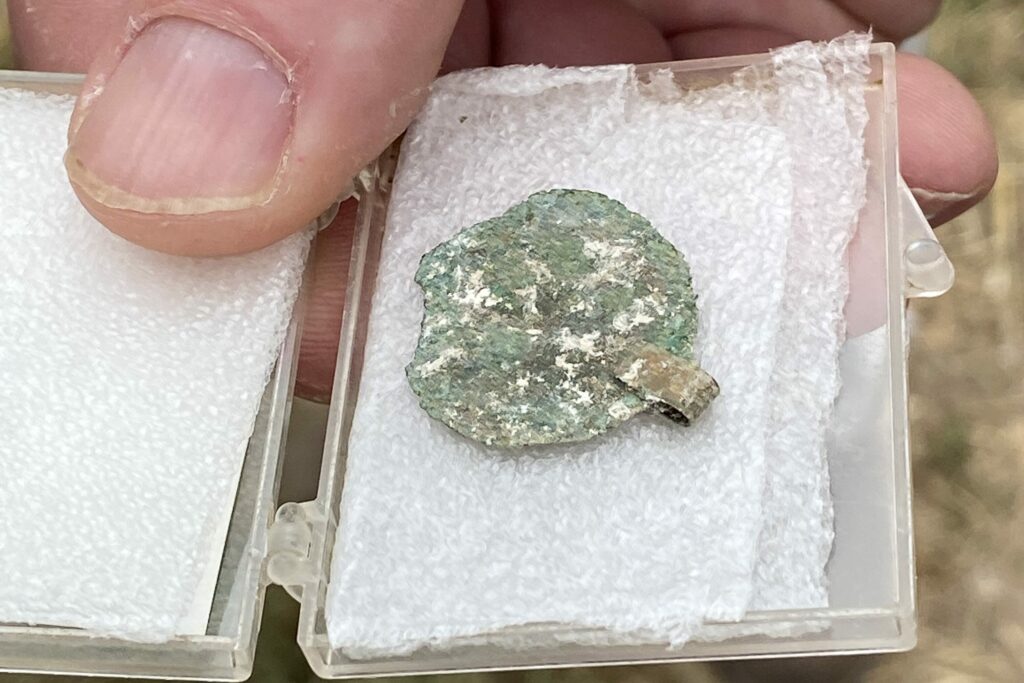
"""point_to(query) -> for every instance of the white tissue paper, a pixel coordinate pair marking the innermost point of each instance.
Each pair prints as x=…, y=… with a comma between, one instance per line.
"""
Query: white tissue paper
x=821, y=110
x=651, y=530
x=129, y=385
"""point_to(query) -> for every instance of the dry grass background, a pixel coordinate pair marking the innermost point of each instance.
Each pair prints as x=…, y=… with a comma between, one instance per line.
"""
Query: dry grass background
x=967, y=413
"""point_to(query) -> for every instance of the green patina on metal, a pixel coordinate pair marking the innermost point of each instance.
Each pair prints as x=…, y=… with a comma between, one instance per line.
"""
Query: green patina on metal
x=556, y=321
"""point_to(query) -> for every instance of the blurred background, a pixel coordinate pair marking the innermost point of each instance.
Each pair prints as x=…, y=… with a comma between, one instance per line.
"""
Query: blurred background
x=967, y=414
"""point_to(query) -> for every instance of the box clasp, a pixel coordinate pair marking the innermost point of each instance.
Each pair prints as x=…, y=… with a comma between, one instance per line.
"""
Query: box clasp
x=927, y=271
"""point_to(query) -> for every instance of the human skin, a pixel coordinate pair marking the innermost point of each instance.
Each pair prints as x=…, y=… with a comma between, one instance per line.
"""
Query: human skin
x=211, y=127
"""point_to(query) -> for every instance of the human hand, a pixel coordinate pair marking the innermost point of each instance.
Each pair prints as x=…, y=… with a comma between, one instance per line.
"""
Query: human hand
x=220, y=126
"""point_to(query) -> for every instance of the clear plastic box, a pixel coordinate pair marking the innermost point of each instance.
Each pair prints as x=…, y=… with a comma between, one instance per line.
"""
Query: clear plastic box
x=871, y=571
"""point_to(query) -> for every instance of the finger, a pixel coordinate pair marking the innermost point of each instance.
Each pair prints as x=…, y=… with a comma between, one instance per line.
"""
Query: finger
x=322, y=324
x=218, y=127
x=947, y=157
x=61, y=35
x=947, y=149
x=470, y=44
x=573, y=33
x=714, y=28
x=895, y=21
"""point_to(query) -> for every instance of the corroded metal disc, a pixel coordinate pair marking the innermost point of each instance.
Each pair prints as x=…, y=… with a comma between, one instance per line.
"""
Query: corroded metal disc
x=556, y=321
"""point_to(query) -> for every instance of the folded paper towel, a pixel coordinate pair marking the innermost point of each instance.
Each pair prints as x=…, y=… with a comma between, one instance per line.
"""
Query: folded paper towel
x=820, y=108
x=129, y=384
x=645, y=533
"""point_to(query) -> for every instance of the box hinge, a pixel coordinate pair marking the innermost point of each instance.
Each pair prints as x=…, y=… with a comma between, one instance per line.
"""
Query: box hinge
x=288, y=545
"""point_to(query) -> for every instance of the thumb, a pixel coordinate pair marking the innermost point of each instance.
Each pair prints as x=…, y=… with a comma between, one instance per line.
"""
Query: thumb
x=220, y=126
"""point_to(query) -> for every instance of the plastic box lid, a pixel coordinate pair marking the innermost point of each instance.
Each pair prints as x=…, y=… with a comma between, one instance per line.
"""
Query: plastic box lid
x=871, y=571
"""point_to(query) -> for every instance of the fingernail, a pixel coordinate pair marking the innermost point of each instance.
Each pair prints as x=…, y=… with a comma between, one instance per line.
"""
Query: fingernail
x=939, y=206
x=194, y=119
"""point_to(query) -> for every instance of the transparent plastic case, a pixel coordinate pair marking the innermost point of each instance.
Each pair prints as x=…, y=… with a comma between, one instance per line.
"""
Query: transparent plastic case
x=226, y=651
x=871, y=570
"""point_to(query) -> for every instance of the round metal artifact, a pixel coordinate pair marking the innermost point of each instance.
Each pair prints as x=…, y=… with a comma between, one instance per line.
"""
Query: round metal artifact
x=556, y=321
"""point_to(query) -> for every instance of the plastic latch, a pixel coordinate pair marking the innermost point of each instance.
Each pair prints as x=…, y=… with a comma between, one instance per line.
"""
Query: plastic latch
x=927, y=271
x=288, y=545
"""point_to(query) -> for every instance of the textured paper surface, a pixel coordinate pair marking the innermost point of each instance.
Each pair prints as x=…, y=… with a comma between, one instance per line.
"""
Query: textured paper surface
x=821, y=110
x=129, y=383
x=815, y=97
x=642, y=535
x=651, y=527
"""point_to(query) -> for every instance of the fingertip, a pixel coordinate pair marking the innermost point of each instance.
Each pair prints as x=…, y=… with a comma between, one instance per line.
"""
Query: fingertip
x=948, y=151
